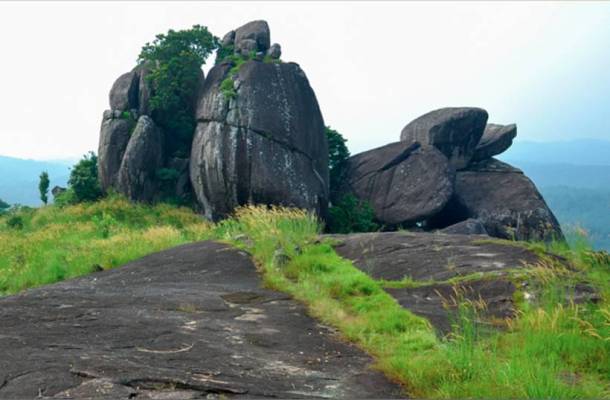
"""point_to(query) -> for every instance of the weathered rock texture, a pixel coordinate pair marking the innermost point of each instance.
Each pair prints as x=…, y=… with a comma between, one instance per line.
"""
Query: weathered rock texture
x=403, y=183
x=442, y=176
x=456, y=132
x=505, y=201
x=143, y=157
x=180, y=324
x=266, y=144
x=430, y=260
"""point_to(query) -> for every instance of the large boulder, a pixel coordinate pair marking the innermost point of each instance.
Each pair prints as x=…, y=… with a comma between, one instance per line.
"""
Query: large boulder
x=403, y=183
x=114, y=136
x=253, y=36
x=469, y=227
x=124, y=93
x=262, y=143
x=456, y=132
x=505, y=201
x=496, y=140
x=137, y=177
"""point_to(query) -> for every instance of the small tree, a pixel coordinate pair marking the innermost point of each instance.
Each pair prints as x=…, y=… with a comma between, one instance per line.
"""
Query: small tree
x=4, y=206
x=43, y=187
x=84, y=181
x=337, y=162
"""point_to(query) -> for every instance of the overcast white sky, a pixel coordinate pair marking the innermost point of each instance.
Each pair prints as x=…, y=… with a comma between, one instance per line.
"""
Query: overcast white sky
x=374, y=66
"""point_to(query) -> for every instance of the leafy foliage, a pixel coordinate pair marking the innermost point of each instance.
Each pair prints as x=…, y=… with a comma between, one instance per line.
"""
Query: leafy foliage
x=337, y=161
x=175, y=59
x=4, y=206
x=84, y=181
x=15, y=222
x=43, y=187
x=350, y=214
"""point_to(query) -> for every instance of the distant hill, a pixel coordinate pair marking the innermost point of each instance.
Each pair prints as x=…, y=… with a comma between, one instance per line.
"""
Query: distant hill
x=575, y=152
x=19, y=179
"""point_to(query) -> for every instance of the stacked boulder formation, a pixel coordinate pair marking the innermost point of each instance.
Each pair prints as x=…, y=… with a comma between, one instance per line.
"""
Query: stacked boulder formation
x=133, y=148
x=260, y=139
x=442, y=175
x=266, y=142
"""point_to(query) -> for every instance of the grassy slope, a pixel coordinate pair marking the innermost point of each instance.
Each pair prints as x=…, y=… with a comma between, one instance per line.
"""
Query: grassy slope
x=550, y=350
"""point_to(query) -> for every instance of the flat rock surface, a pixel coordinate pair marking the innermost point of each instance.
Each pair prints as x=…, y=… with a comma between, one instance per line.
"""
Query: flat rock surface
x=438, y=302
x=432, y=259
x=429, y=256
x=189, y=322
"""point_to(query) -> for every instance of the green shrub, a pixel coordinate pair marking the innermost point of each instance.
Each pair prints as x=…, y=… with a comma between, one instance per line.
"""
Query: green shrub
x=15, y=222
x=338, y=155
x=176, y=59
x=351, y=215
x=84, y=181
x=4, y=206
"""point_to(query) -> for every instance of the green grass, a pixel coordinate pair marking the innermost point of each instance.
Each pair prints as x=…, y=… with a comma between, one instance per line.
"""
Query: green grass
x=59, y=243
x=552, y=349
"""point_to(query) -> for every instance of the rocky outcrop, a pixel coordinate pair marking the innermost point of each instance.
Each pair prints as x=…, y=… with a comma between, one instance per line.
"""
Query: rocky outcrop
x=186, y=323
x=143, y=157
x=261, y=141
x=506, y=202
x=403, y=183
x=496, y=139
x=486, y=197
x=456, y=132
x=133, y=149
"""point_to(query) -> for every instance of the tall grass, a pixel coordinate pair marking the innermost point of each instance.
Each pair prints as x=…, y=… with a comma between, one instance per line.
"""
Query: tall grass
x=58, y=243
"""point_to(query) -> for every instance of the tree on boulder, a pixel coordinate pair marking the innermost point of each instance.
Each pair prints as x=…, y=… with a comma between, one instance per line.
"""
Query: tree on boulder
x=176, y=59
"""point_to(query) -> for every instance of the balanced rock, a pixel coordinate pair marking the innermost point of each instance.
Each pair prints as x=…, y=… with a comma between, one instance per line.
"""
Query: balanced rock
x=506, y=202
x=124, y=93
x=263, y=143
x=143, y=157
x=253, y=36
x=403, y=183
x=496, y=140
x=456, y=132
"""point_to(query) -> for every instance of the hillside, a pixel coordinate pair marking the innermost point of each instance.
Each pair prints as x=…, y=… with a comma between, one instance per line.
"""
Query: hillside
x=372, y=301
x=19, y=179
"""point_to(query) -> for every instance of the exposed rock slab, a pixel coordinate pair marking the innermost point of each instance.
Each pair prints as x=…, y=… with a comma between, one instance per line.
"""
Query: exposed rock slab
x=455, y=131
x=266, y=145
x=438, y=302
x=184, y=323
x=429, y=256
x=432, y=259
x=402, y=182
x=506, y=202
x=496, y=140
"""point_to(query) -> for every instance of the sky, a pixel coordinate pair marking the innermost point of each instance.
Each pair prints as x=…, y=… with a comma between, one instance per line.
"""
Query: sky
x=374, y=66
